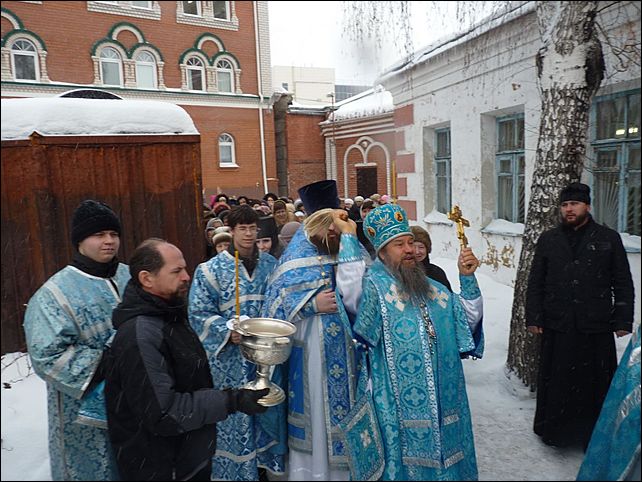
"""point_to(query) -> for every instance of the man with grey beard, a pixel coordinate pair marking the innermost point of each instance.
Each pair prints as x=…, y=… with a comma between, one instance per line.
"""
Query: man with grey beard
x=416, y=330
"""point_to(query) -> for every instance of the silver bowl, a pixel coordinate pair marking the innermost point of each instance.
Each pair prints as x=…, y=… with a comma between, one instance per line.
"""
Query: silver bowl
x=266, y=342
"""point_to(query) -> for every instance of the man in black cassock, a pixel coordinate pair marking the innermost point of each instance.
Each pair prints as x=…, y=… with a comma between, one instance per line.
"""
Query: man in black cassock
x=580, y=292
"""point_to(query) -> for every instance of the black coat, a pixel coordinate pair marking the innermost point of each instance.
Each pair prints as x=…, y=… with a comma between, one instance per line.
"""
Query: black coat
x=590, y=287
x=161, y=407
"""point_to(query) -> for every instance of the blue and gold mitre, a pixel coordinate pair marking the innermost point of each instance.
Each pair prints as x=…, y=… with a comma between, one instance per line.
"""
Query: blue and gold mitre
x=384, y=224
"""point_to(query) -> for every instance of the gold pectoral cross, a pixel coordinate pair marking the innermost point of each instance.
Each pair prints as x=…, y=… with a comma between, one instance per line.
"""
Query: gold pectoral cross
x=455, y=216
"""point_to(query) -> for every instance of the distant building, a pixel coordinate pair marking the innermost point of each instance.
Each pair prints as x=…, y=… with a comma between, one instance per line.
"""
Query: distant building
x=211, y=58
x=344, y=91
x=309, y=86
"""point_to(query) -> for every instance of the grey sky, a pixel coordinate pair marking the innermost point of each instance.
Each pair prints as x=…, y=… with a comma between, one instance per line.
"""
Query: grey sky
x=311, y=34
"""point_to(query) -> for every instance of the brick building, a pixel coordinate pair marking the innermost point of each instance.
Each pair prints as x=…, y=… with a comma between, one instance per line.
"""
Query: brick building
x=211, y=58
x=355, y=144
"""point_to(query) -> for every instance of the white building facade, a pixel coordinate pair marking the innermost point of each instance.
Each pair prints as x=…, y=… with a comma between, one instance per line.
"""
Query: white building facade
x=475, y=108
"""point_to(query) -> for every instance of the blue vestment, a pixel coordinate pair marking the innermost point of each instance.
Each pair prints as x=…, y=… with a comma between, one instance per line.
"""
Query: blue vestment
x=241, y=446
x=614, y=450
x=321, y=368
x=67, y=323
x=418, y=382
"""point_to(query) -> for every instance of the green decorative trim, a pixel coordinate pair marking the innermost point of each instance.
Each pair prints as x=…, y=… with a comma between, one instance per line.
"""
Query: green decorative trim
x=94, y=48
x=23, y=31
x=190, y=50
x=147, y=46
x=227, y=54
x=126, y=24
x=15, y=17
x=211, y=35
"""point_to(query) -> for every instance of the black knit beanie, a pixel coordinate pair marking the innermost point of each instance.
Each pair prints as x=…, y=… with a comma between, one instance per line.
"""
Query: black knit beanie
x=576, y=191
x=91, y=217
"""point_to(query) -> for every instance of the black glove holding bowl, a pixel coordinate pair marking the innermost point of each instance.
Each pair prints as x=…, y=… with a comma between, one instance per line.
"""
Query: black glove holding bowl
x=246, y=401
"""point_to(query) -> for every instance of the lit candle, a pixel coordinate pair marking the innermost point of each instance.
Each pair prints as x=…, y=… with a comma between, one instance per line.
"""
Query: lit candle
x=238, y=297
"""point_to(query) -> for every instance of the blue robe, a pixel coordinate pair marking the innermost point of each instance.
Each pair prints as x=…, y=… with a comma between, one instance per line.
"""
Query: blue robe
x=614, y=450
x=241, y=445
x=419, y=390
x=323, y=344
x=67, y=323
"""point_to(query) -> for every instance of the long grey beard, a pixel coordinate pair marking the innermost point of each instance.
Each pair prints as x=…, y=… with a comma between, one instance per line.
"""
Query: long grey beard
x=413, y=280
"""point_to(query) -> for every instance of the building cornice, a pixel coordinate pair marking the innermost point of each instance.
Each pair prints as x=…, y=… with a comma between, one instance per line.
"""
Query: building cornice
x=248, y=101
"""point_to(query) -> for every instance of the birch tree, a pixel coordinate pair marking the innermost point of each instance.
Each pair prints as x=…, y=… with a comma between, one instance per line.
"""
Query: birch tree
x=570, y=68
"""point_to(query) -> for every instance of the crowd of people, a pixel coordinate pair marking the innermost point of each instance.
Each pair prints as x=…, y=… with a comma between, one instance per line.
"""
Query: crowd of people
x=279, y=219
x=144, y=368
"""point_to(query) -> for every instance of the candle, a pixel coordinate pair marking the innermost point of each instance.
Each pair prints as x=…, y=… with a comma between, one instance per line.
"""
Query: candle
x=238, y=299
x=394, y=182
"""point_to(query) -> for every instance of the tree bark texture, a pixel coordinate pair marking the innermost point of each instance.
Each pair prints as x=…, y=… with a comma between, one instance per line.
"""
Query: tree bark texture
x=570, y=68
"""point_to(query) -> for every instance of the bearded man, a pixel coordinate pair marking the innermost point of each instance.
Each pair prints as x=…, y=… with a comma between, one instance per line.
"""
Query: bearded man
x=316, y=286
x=162, y=408
x=416, y=330
x=580, y=292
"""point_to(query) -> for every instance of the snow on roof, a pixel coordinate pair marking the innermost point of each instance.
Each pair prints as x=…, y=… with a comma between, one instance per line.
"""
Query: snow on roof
x=370, y=102
x=512, y=11
x=55, y=116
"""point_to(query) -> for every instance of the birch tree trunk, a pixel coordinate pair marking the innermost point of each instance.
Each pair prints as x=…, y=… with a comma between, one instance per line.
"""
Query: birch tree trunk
x=570, y=68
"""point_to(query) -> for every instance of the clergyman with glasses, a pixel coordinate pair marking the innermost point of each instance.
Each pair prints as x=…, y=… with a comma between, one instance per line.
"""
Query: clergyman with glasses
x=241, y=448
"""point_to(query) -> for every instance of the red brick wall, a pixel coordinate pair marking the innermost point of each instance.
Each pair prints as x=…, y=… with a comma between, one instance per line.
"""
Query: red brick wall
x=306, y=151
x=375, y=154
x=69, y=31
x=243, y=126
x=404, y=115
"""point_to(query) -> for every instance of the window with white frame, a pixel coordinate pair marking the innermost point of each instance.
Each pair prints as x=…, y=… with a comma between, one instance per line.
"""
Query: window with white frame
x=509, y=168
x=226, y=154
x=192, y=8
x=145, y=70
x=616, y=165
x=111, y=67
x=442, y=170
x=225, y=76
x=24, y=59
x=195, y=74
x=221, y=10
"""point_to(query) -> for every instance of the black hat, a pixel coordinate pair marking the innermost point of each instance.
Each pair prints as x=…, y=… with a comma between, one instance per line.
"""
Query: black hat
x=267, y=228
x=91, y=217
x=576, y=191
x=319, y=195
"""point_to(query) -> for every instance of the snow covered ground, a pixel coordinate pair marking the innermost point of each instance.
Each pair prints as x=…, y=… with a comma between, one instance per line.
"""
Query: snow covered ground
x=502, y=409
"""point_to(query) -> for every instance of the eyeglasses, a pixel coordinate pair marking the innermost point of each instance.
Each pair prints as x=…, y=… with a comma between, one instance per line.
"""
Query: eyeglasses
x=246, y=229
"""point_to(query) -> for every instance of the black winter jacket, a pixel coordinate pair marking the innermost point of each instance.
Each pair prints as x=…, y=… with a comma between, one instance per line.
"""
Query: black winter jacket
x=161, y=407
x=590, y=288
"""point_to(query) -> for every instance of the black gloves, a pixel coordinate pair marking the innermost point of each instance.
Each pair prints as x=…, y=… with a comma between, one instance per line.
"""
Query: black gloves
x=245, y=401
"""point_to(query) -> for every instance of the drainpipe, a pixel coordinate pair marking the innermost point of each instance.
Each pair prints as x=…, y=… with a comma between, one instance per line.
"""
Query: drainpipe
x=260, y=85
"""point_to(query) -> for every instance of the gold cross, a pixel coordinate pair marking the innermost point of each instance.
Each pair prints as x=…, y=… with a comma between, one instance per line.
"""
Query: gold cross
x=455, y=216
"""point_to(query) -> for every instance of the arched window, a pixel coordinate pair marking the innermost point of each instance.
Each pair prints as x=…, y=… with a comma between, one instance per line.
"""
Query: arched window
x=145, y=70
x=226, y=154
x=195, y=74
x=225, y=76
x=24, y=59
x=111, y=67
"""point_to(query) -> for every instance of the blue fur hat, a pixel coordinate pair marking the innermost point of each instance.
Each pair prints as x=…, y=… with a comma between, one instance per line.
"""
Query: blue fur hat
x=384, y=224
